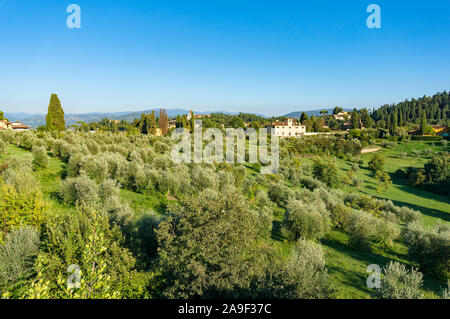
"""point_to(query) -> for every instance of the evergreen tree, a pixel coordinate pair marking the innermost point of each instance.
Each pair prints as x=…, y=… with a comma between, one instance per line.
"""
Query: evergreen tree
x=303, y=118
x=163, y=122
x=423, y=123
x=355, y=119
x=151, y=119
x=55, y=116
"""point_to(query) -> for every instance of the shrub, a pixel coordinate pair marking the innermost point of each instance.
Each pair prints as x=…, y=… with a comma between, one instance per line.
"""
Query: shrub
x=303, y=276
x=108, y=188
x=306, y=220
x=384, y=181
x=365, y=230
x=146, y=240
x=399, y=283
x=96, y=167
x=79, y=191
x=26, y=207
x=202, y=178
x=340, y=216
x=429, y=247
x=356, y=182
x=27, y=140
x=3, y=147
x=280, y=194
x=376, y=162
x=40, y=159
x=326, y=172
x=21, y=245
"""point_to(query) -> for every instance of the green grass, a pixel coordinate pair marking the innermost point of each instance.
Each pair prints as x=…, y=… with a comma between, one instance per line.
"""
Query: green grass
x=434, y=207
x=347, y=267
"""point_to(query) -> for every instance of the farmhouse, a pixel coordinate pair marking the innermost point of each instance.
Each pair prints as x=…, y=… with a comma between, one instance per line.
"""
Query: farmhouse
x=341, y=116
x=290, y=128
x=16, y=126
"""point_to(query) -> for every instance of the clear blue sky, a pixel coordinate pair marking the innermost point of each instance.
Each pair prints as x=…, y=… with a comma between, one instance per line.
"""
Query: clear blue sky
x=269, y=57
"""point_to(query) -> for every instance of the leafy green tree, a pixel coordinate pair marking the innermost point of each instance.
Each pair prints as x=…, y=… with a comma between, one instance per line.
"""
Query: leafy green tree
x=326, y=172
x=303, y=118
x=19, y=249
x=384, y=181
x=337, y=110
x=84, y=238
x=302, y=276
x=400, y=283
x=355, y=119
x=366, y=119
x=376, y=162
x=207, y=247
x=55, y=116
x=306, y=220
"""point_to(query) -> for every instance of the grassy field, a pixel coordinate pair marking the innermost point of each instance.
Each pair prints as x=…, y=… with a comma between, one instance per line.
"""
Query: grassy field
x=435, y=208
x=347, y=267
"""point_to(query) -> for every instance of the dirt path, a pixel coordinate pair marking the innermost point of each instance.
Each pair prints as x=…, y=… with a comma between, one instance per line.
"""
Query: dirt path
x=370, y=150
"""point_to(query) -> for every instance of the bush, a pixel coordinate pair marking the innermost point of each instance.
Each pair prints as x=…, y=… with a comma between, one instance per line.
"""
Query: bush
x=399, y=283
x=365, y=230
x=306, y=220
x=108, y=188
x=40, y=159
x=3, y=147
x=302, y=276
x=16, y=255
x=326, y=172
x=80, y=191
x=376, y=162
x=430, y=248
x=24, y=207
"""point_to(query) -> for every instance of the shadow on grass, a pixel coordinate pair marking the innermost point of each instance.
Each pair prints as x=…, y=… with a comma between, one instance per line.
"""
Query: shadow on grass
x=277, y=231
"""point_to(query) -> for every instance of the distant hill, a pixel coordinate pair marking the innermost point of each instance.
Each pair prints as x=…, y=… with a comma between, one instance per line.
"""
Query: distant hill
x=296, y=115
x=35, y=120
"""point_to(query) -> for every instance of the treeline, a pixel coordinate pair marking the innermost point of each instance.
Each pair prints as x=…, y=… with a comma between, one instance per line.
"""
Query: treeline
x=437, y=111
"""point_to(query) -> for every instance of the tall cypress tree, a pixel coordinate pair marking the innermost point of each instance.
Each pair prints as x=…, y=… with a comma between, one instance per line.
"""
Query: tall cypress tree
x=55, y=115
x=355, y=119
x=423, y=122
x=152, y=123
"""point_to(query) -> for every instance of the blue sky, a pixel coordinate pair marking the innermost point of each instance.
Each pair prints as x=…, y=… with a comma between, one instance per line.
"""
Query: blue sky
x=269, y=57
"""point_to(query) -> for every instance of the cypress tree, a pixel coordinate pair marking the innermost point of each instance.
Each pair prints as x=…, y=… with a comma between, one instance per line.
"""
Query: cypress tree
x=423, y=122
x=151, y=123
x=355, y=119
x=55, y=115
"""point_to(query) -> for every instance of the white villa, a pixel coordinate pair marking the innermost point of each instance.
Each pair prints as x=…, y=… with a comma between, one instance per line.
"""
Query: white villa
x=16, y=126
x=291, y=128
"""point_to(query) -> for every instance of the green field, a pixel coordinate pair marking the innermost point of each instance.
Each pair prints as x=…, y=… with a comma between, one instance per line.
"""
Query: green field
x=346, y=266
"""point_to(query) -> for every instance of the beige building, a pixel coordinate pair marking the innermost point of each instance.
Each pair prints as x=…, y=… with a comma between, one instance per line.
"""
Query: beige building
x=341, y=116
x=291, y=128
x=16, y=126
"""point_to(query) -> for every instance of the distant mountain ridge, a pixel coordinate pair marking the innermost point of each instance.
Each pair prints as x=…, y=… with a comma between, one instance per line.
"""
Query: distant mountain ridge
x=35, y=120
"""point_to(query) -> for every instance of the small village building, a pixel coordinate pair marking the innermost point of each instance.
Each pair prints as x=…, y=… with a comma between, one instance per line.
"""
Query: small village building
x=16, y=126
x=341, y=116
